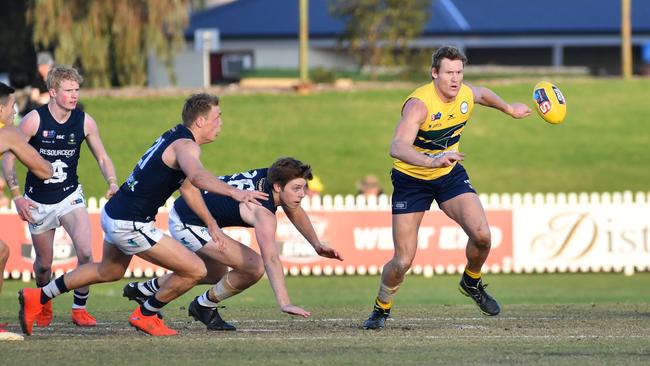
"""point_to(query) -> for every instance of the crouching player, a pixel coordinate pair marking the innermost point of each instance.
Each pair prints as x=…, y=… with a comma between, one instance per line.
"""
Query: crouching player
x=195, y=222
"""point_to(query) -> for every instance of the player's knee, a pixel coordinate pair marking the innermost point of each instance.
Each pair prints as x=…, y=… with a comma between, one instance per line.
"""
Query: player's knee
x=109, y=274
x=257, y=269
x=482, y=239
x=42, y=267
x=106, y=271
x=402, y=264
x=198, y=272
x=84, y=258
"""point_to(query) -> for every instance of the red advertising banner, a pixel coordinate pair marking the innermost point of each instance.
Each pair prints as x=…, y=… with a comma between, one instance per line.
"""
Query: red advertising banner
x=364, y=238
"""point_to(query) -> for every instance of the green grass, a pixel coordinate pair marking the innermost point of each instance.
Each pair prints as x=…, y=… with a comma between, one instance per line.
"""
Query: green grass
x=554, y=319
x=602, y=146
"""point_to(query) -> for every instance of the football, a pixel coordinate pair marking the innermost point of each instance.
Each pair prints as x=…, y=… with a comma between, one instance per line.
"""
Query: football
x=549, y=102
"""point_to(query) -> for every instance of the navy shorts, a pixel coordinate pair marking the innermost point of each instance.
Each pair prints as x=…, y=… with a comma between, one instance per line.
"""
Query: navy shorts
x=416, y=195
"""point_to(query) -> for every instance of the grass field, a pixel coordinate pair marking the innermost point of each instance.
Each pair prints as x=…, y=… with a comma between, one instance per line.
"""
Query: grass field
x=577, y=319
x=602, y=146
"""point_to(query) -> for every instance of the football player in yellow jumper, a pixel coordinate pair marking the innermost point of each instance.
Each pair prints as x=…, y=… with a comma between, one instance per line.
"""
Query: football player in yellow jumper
x=426, y=168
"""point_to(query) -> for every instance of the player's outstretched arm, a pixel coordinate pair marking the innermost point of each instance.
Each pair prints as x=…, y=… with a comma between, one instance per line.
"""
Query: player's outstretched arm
x=28, y=127
x=187, y=156
x=13, y=141
x=265, y=226
x=105, y=163
x=301, y=221
x=414, y=113
x=488, y=98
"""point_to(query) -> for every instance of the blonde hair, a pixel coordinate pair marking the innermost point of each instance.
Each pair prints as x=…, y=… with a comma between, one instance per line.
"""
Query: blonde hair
x=61, y=73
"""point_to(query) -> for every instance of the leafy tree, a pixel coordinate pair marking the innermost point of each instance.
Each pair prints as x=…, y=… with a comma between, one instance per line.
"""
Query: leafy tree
x=110, y=40
x=378, y=32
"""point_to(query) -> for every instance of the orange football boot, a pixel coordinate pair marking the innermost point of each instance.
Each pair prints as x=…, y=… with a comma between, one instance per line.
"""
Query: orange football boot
x=82, y=318
x=30, y=308
x=152, y=324
x=44, y=319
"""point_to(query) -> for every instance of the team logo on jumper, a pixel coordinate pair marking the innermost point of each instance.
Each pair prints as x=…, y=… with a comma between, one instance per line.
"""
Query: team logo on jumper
x=464, y=107
x=437, y=116
x=49, y=134
x=260, y=184
x=71, y=139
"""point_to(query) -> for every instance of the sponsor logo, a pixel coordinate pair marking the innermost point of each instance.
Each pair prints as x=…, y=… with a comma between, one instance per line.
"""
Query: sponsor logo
x=55, y=152
x=437, y=116
x=60, y=137
x=464, y=107
x=49, y=134
x=401, y=205
x=542, y=100
x=76, y=201
x=451, y=116
x=35, y=225
x=558, y=94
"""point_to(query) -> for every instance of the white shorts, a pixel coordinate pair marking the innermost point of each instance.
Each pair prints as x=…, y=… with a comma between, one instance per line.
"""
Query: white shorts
x=193, y=237
x=47, y=216
x=130, y=237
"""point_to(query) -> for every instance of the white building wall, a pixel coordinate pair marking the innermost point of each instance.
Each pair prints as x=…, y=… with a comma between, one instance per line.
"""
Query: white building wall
x=188, y=66
x=284, y=54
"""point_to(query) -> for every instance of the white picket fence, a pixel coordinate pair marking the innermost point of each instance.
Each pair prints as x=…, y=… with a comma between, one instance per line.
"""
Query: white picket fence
x=625, y=214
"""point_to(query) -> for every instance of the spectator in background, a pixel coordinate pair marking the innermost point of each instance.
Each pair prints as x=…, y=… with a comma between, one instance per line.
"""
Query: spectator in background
x=369, y=186
x=39, y=94
x=314, y=187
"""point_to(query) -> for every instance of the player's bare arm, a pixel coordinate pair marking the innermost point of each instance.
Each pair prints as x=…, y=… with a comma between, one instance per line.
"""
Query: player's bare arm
x=99, y=152
x=13, y=141
x=301, y=221
x=488, y=98
x=184, y=154
x=265, y=227
x=194, y=199
x=28, y=127
x=414, y=113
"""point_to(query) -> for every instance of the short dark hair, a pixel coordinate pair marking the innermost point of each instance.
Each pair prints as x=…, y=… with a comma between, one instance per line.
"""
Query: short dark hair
x=287, y=169
x=198, y=105
x=448, y=52
x=5, y=92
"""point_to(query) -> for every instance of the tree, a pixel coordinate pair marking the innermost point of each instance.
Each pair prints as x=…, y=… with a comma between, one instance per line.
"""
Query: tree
x=16, y=54
x=378, y=32
x=110, y=40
